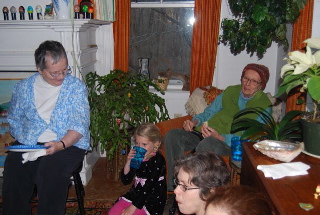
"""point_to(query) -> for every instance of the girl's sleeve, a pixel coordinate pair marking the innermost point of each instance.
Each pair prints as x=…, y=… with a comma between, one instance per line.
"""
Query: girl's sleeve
x=127, y=179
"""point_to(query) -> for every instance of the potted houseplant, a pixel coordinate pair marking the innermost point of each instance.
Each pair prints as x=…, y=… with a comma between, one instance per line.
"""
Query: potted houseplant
x=119, y=102
x=266, y=128
x=303, y=69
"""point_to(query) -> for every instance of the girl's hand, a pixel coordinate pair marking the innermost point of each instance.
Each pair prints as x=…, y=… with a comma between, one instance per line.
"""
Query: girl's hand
x=131, y=155
x=129, y=210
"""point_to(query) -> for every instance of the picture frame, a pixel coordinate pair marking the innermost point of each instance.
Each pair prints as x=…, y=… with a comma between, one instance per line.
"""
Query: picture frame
x=6, y=88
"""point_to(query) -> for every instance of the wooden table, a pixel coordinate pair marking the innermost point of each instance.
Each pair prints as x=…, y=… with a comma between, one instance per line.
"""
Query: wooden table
x=286, y=193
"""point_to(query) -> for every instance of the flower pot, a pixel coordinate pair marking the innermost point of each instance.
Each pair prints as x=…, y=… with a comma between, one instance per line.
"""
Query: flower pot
x=311, y=137
x=62, y=8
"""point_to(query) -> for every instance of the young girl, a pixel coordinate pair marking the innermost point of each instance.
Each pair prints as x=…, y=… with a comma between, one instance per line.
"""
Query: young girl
x=149, y=192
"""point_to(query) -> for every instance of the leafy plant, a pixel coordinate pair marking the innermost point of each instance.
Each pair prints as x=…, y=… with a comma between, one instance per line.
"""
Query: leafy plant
x=257, y=23
x=303, y=69
x=268, y=129
x=119, y=102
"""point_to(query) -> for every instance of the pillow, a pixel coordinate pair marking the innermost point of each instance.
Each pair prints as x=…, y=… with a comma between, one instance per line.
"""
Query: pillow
x=210, y=93
x=196, y=103
x=200, y=98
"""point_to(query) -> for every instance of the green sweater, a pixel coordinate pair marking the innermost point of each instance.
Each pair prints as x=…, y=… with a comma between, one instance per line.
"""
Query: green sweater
x=222, y=120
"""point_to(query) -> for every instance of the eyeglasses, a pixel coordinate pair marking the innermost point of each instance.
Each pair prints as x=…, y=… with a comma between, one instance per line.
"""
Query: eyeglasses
x=183, y=187
x=251, y=81
x=64, y=72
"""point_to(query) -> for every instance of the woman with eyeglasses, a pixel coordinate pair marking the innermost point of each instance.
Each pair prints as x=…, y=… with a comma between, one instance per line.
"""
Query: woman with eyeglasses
x=196, y=177
x=48, y=111
x=210, y=130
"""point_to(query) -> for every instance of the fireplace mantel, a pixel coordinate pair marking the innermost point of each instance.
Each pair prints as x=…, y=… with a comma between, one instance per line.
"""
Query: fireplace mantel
x=88, y=43
x=84, y=40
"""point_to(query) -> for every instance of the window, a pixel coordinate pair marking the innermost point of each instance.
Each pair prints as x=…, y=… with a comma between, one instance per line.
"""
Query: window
x=161, y=32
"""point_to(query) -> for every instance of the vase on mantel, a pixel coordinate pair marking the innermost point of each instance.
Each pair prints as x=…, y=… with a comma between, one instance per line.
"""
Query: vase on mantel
x=62, y=8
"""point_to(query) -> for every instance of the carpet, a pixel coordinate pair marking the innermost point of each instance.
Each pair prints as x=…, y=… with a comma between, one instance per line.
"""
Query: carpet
x=90, y=207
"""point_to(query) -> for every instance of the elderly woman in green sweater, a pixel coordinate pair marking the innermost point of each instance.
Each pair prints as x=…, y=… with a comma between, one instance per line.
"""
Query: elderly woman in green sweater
x=214, y=124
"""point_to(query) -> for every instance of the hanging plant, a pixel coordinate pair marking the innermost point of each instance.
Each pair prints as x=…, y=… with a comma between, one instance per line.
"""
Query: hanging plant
x=258, y=23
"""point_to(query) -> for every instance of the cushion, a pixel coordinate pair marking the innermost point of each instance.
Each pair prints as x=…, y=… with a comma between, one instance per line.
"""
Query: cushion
x=200, y=98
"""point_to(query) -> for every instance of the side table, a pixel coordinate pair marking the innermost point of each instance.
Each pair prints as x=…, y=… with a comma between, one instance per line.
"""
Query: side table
x=235, y=171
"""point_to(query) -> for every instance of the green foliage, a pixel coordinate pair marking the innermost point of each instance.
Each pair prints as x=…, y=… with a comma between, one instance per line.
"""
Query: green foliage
x=120, y=101
x=257, y=23
x=287, y=129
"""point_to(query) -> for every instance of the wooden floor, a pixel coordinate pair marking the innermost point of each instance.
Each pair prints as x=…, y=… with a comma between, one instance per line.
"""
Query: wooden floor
x=101, y=188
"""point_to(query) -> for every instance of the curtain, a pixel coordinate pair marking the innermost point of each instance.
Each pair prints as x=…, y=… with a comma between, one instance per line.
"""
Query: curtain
x=121, y=31
x=302, y=30
x=204, y=42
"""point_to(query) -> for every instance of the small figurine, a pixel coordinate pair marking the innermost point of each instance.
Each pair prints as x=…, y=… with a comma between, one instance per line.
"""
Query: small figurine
x=77, y=12
x=39, y=12
x=48, y=13
x=317, y=194
x=22, y=11
x=30, y=12
x=5, y=11
x=90, y=11
x=13, y=11
x=85, y=11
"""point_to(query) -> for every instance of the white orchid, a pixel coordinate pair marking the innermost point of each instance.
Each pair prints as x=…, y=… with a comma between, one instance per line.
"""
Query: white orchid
x=303, y=69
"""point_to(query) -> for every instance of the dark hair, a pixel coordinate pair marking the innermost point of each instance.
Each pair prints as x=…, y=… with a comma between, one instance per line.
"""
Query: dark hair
x=50, y=48
x=206, y=170
x=239, y=200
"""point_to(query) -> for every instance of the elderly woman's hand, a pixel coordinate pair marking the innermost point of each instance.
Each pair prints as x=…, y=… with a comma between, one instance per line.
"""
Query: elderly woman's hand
x=54, y=146
x=208, y=131
x=188, y=125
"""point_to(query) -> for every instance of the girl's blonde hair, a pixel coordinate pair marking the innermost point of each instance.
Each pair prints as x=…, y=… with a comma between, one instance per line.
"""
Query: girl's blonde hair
x=150, y=131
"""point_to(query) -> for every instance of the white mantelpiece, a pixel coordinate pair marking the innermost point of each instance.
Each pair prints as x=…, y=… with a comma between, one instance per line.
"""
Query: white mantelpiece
x=88, y=43
x=19, y=39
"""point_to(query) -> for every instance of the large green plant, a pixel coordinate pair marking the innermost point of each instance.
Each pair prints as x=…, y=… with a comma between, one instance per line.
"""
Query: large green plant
x=119, y=102
x=287, y=129
x=257, y=23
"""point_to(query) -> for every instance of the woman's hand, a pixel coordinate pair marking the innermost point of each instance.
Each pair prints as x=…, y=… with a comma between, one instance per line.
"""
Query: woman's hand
x=208, y=131
x=54, y=146
x=188, y=125
x=129, y=210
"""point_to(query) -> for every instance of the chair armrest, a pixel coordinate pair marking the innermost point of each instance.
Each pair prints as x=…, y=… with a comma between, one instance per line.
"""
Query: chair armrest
x=170, y=124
